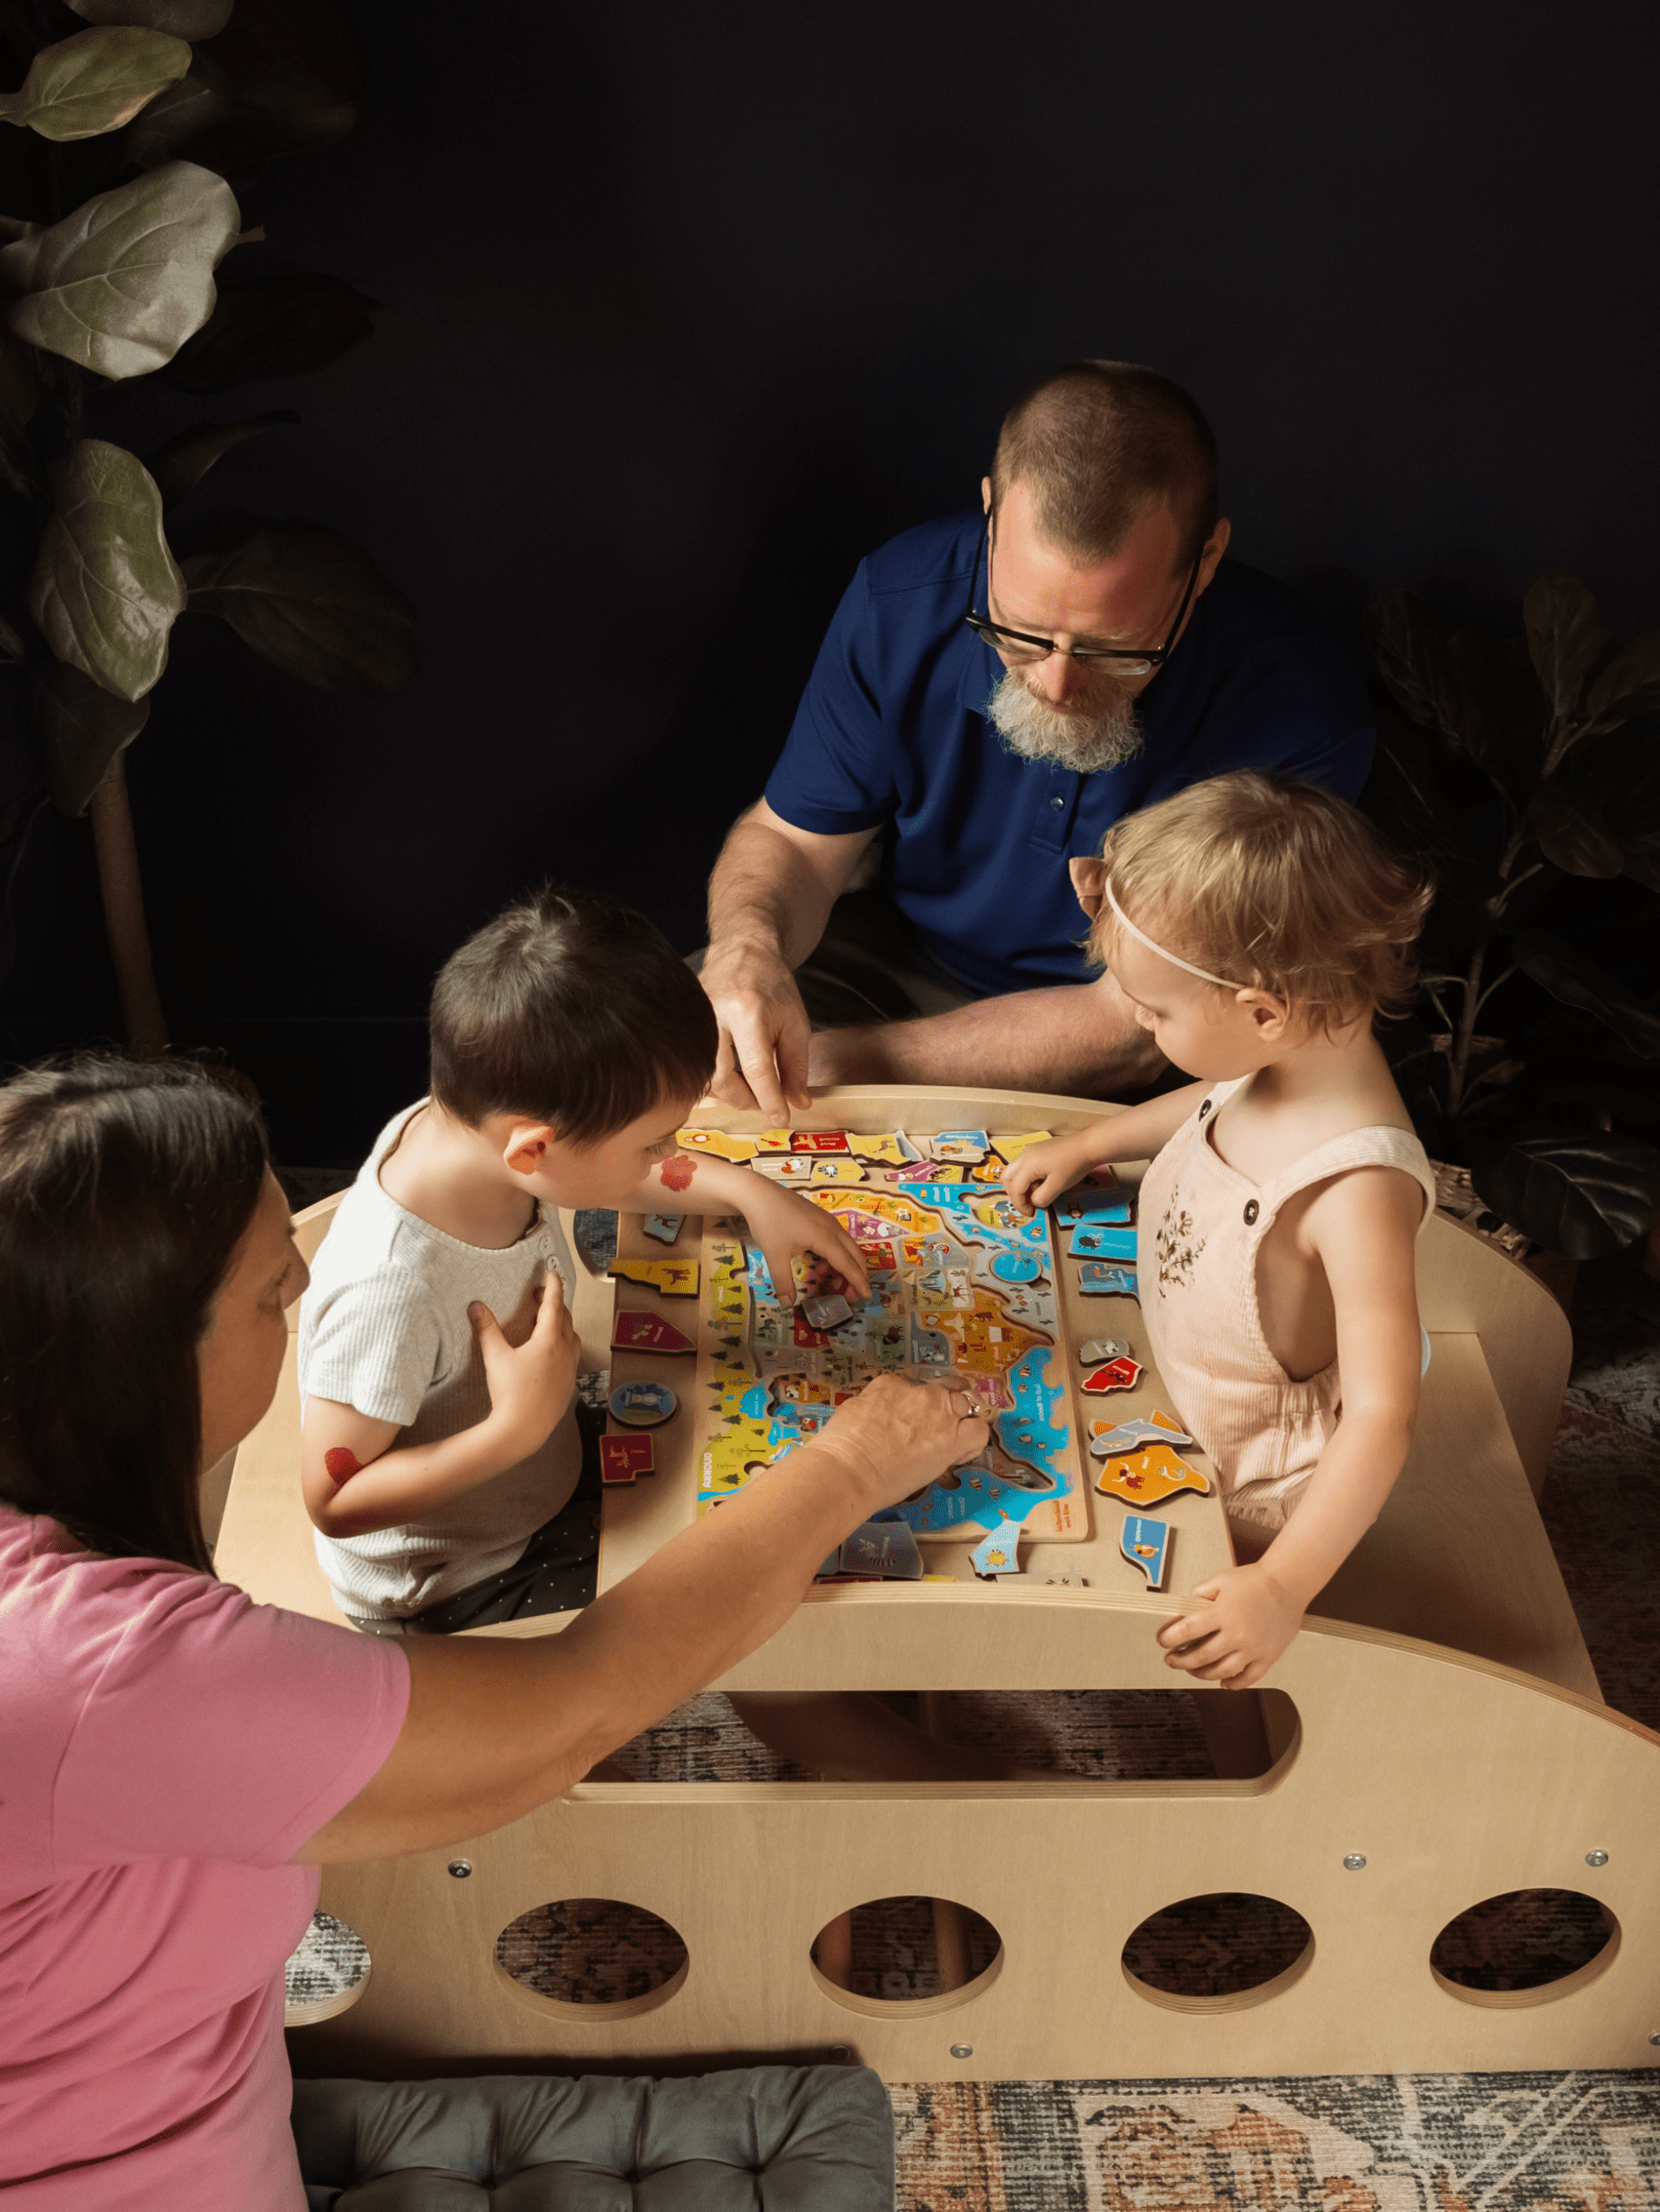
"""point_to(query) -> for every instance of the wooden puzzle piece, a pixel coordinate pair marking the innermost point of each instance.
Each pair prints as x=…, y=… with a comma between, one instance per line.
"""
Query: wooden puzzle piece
x=1085, y=1210
x=772, y=1141
x=1145, y=1477
x=1097, y=1280
x=664, y=1227
x=635, y=1331
x=987, y=1171
x=1009, y=1149
x=786, y=1167
x=716, y=1143
x=669, y=1279
x=819, y=1140
x=999, y=1553
x=826, y=1171
x=642, y=1404
x=1101, y=1240
x=1093, y=1349
x=1118, y=1374
x=1146, y=1544
x=891, y=1149
x=827, y=1312
x=885, y=1547
x=622, y=1458
x=1111, y=1442
x=930, y=1172
x=970, y=1146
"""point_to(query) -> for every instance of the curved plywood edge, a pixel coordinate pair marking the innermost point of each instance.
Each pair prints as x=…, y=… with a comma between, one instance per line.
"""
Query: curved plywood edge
x=1424, y=1782
x=1466, y=1284
x=933, y=1104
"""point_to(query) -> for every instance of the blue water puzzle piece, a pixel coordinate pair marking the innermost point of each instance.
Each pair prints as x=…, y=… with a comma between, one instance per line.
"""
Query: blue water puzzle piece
x=1096, y=1280
x=1014, y=1265
x=1100, y=1240
x=1146, y=1544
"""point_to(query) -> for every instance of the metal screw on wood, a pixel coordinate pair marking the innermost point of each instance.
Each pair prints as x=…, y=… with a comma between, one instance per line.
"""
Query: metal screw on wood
x=840, y=2051
x=1655, y=2039
x=1355, y=1860
x=460, y=1868
x=1596, y=1858
x=962, y=2050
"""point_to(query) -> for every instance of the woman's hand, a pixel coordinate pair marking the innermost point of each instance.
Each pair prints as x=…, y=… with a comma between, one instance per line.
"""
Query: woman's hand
x=785, y=1223
x=531, y=1384
x=1244, y=1619
x=897, y=1436
x=1044, y=1172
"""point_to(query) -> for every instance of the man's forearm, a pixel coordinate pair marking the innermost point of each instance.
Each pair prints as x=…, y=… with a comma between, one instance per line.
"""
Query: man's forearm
x=1075, y=1039
x=764, y=892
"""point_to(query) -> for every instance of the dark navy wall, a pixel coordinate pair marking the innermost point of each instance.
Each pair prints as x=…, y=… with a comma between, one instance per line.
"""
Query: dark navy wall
x=684, y=308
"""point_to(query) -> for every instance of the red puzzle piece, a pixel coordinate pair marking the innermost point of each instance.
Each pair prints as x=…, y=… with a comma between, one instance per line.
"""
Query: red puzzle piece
x=633, y=1331
x=622, y=1458
x=819, y=1140
x=1118, y=1374
x=807, y=1336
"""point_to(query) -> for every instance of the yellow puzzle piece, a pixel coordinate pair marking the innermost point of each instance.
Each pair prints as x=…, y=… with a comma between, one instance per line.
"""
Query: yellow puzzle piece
x=716, y=1143
x=672, y=1278
x=1010, y=1149
x=828, y=1171
x=1145, y=1477
x=885, y=1151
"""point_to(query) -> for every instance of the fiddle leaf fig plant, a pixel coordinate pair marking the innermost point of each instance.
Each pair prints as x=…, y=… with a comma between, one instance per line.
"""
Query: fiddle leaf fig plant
x=1522, y=774
x=159, y=104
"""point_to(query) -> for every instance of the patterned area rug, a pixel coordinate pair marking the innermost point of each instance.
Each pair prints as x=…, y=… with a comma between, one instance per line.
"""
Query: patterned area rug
x=1589, y=2142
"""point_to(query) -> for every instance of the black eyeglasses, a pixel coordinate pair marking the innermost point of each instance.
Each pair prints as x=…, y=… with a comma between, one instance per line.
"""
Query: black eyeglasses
x=1021, y=648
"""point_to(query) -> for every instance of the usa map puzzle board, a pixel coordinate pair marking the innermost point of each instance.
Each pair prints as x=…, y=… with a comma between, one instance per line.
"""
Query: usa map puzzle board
x=962, y=1285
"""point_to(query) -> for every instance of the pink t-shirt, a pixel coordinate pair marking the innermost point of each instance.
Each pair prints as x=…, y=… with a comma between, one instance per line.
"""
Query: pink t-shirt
x=166, y=1745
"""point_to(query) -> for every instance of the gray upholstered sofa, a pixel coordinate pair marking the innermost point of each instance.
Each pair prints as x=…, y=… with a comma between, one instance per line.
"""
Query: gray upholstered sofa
x=764, y=2139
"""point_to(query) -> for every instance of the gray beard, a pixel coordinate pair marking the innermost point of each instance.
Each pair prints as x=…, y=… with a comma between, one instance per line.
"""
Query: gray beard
x=1080, y=741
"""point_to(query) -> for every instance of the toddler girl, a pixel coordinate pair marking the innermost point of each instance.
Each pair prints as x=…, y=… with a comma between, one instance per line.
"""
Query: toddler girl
x=1258, y=929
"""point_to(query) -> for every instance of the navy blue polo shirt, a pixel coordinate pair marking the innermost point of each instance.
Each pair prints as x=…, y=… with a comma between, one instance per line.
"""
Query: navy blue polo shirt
x=892, y=727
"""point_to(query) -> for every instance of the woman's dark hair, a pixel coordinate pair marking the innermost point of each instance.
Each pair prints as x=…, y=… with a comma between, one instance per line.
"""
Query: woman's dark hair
x=124, y=1188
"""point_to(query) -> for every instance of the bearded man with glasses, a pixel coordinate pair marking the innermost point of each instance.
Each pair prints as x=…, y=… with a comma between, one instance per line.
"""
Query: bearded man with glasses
x=996, y=690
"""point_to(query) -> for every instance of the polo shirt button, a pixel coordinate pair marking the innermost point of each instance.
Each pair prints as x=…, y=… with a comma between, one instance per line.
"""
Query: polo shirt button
x=1204, y=1110
x=1058, y=801
x=1252, y=1210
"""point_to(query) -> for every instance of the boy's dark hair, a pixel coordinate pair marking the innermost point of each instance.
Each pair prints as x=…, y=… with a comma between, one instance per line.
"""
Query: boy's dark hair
x=126, y=1187
x=573, y=1008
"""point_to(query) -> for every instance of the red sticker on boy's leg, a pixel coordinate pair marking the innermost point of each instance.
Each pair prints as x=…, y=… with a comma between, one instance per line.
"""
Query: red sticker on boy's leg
x=677, y=1171
x=341, y=1464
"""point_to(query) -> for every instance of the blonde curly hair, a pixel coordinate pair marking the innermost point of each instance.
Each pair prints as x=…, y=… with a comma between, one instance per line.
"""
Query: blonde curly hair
x=1273, y=881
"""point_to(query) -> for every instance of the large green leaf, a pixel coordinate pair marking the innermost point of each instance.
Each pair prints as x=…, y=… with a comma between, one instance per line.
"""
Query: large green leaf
x=94, y=81
x=1567, y=637
x=1582, y=1196
x=1572, y=832
x=81, y=728
x=179, y=18
x=105, y=590
x=1432, y=685
x=289, y=325
x=193, y=122
x=122, y=283
x=311, y=602
x=1576, y=981
x=180, y=466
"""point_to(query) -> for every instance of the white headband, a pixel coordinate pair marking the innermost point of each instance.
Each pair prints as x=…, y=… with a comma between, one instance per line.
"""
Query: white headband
x=1164, y=953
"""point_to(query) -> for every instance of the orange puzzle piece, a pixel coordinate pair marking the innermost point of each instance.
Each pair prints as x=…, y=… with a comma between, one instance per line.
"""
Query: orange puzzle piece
x=1145, y=1477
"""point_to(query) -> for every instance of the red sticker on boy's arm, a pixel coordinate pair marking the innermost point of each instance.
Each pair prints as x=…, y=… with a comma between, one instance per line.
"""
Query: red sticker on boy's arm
x=677, y=1171
x=341, y=1463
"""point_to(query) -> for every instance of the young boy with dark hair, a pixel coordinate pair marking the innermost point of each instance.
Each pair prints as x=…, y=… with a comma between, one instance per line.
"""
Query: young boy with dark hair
x=442, y=1444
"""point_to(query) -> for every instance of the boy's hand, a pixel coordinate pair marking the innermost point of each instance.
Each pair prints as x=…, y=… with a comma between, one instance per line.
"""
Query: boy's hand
x=1240, y=1622
x=532, y=1385
x=786, y=1223
x=1044, y=1172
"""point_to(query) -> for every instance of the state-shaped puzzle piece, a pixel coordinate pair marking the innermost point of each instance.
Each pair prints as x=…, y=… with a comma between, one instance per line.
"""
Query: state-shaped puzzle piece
x=1097, y=1280
x=1146, y=1544
x=819, y=1140
x=623, y=1458
x=669, y=1279
x=664, y=1227
x=635, y=1331
x=999, y=1553
x=716, y=1143
x=1093, y=1349
x=970, y=1146
x=1010, y=1149
x=1110, y=1443
x=1101, y=1240
x=1118, y=1374
x=1145, y=1477
x=891, y=1148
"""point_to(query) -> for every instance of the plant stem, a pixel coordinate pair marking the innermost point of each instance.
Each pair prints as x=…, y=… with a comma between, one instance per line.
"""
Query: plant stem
x=1458, y=1055
x=124, y=921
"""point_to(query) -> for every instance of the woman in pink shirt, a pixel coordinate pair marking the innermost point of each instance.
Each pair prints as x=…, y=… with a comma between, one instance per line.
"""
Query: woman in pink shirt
x=177, y=1761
